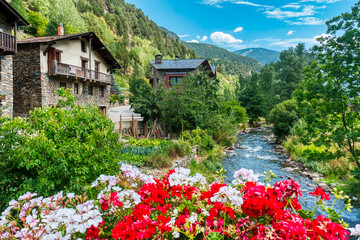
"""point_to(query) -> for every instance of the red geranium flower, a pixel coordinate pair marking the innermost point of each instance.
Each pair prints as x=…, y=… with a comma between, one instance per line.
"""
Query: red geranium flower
x=319, y=192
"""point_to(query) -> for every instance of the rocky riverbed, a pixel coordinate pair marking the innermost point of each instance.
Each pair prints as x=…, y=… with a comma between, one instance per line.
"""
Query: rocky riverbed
x=256, y=150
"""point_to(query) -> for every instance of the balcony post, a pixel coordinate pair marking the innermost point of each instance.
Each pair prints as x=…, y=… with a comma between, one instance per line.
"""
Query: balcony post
x=15, y=35
x=54, y=67
x=90, y=57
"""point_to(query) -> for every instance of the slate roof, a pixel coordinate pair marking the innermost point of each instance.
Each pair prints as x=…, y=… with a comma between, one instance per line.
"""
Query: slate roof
x=96, y=43
x=178, y=64
x=11, y=14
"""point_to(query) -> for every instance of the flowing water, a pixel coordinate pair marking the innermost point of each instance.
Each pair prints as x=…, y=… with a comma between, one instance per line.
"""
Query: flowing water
x=258, y=155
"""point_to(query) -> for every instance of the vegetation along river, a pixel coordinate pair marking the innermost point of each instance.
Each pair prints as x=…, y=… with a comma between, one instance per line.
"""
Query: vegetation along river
x=257, y=154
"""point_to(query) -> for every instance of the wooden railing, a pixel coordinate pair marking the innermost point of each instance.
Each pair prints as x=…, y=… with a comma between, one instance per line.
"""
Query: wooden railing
x=7, y=43
x=79, y=72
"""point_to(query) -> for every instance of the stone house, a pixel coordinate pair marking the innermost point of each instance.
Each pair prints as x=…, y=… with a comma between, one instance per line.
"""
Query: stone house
x=9, y=20
x=173, y=71
x=80, y=62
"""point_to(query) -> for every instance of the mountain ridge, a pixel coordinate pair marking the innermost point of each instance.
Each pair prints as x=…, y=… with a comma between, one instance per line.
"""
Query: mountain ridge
x=263, y=55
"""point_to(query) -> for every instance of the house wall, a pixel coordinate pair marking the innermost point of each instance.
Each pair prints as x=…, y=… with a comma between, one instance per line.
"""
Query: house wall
x=6, y=84
x=159, y=76
x=72, y=55
x=28, y=92
x=35, y=88
x=6, y=73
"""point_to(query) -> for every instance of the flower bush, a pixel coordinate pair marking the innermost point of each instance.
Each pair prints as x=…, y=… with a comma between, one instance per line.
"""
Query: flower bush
x=134, y=205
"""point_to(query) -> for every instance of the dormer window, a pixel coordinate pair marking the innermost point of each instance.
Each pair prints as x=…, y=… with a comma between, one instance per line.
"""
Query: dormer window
x=83, y=46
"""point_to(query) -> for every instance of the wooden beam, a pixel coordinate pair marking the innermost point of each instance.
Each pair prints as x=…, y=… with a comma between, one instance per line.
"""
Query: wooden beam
x=47, y=49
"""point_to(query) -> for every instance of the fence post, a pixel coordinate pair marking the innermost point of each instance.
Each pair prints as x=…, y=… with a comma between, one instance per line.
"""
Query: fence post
x=120, y=127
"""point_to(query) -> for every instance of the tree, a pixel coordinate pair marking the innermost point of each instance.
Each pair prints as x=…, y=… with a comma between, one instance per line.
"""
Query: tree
x=283, y=116
x=329, y=96
x=253, y=99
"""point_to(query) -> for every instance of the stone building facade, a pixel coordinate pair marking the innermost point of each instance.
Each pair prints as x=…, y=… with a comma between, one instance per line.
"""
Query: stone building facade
x=9, y=19
x=43, y=65
x=174, y=71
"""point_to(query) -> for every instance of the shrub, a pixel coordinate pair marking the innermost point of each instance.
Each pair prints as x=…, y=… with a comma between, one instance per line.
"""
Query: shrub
x=283, y=116
x=56, y=149
x=199, y=138
x=159, y=160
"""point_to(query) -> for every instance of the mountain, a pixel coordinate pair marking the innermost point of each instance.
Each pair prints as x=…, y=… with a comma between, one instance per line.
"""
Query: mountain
x=170, y=33
x=264, y=56
x=229, y=62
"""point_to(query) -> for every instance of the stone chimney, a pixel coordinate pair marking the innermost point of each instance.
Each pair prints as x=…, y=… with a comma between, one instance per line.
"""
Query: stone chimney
x=158, y=59
x=61, y=29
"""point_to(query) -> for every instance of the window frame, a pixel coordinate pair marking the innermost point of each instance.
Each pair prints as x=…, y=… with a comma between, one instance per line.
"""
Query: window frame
x=76, y=88
x=91, y=90
x=102, y=91
x=83, y=46
x=168, y=76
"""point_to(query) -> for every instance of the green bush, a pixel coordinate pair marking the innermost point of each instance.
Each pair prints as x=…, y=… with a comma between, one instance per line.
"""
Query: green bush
x=56, y=149
x=199, y=138
x=283, y=117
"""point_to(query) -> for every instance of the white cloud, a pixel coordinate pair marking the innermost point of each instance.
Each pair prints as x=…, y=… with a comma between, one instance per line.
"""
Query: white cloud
x=239, y=29
x=193, y=41
x=292, y=5
x=217, y=3
x=220, y=37
x=309, y=42
x=280, y=14
x=204, y=38
x=320, y=1
x=198, y=37
x=307, y=21
x=270, y=39
x=182, y=36
x=290, y=32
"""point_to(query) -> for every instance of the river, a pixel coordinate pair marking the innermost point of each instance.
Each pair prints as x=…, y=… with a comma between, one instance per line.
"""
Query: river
x=256, y=154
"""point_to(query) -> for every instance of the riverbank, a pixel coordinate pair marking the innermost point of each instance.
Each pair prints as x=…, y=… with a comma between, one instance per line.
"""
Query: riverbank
x=259, y=153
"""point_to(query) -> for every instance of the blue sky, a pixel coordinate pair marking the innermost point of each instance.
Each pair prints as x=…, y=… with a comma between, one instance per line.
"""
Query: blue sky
x=236, y=24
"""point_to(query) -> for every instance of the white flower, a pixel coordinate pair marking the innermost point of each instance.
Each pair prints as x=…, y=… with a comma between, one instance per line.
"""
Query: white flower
x=193, y=217
x=226, y=194
x=176, y=234
x=27, y=195
x=205, y=212
x=355, y=231
x=246, y=175
x=129, y=198
x=70, y=195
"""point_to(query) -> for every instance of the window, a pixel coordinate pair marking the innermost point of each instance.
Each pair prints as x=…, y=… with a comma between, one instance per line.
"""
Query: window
x=97, y=69
x=58, y=55
x=102, y=91
x=63, y=85
x=84, y=63
x=83, y=46
x=76, y=88
x=91, y=90
x=173, y=80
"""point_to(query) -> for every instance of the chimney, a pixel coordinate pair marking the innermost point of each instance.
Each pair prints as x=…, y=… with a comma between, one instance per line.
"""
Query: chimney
x=61, y=29
x=158, y=59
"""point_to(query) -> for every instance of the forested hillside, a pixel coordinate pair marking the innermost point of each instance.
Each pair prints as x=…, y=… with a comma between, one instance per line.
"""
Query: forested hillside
x=131, y=36
x=229, y=62
x=263, y=55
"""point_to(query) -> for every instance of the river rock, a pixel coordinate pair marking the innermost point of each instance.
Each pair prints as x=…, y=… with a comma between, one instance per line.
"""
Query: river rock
x=289, y=169
x=310, y=185
x=332, y=185
x=324, y=186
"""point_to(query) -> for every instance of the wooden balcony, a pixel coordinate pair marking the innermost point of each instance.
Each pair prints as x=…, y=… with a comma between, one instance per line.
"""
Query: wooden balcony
x=7, y=43
x=75, y=72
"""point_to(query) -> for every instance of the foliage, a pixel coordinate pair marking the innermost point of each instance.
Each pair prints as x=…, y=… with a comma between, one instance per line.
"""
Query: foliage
x=283, y=117
x=329, y=98
x=199, y=138
x=253, y=100
x=133, y=205
x=117, y=98
x=56, y=149
x=264, y=56
x=234, y=109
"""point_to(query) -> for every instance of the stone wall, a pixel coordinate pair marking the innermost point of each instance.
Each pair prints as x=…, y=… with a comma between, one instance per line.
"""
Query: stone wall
x=27, y=80
x=51, y=84
x=4, y=25
x=159, y=76
x=6, y=84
